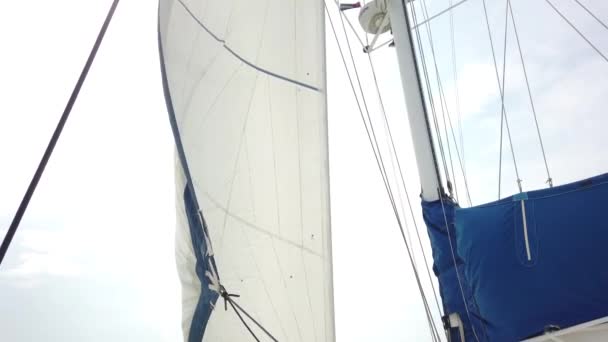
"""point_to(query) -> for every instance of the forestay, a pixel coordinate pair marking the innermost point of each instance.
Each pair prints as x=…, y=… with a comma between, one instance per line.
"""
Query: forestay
x=245, y=88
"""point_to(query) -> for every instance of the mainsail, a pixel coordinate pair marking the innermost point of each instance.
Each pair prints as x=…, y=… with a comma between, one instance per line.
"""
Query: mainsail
x=245, y=88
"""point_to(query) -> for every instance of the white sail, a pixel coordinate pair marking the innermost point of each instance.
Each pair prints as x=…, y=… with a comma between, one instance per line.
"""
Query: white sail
x=246, y=83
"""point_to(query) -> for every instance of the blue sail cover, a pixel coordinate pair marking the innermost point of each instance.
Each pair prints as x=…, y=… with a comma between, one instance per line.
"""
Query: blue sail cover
x=527, y=276
x=435, y=215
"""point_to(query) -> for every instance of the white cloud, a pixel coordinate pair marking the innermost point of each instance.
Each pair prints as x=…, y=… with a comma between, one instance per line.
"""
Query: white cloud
x=477, y=86
x=35, y=264
x=97, y=238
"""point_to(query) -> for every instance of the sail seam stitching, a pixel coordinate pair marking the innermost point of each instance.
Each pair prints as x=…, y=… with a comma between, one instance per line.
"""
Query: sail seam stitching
x=259, y=229
x=239, y=57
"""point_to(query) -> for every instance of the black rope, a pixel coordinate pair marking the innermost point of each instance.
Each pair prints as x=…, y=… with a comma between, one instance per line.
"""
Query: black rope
x=236, y=307
x=49, y=149
x=253, y=320
x=242, y=320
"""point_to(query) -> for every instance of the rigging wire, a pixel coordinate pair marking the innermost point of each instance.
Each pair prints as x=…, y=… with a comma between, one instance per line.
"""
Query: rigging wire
x=370, y=128
x=523, y=65
x=456, y=87
x=378, y=46
x=591, y=14
x=441, y=197
x=56, y=134
x=367, y=129
x=436, y=15
x=337, y=2
x=432, y=327
x=400, y=172
x=442, y=96
x=577, y=30
x=375, y=146
x=375, y=139
x=502, y=117
x=430, y=99
x=390, y=143
x=442, y=100
x=502, y=98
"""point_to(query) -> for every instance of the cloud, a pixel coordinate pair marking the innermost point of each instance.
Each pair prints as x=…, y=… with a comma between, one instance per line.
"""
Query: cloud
x=33, y=264
x=568, y=97
x=40, y=253
x=476, y=88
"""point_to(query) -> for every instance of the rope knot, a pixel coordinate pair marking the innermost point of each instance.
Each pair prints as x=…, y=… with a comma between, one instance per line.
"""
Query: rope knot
x=227, y=296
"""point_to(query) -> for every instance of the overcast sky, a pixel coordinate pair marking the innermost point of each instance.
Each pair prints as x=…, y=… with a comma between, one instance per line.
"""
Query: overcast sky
x=93, y=259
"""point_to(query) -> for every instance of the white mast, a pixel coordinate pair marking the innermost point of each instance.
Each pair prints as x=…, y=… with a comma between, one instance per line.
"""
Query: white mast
x=412, y=89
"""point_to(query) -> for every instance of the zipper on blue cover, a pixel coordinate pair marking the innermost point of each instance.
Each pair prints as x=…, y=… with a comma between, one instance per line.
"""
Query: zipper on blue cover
x=527, y=241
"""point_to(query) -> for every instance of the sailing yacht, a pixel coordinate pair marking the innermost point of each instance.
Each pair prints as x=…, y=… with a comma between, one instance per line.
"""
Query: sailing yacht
x=246, y=91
